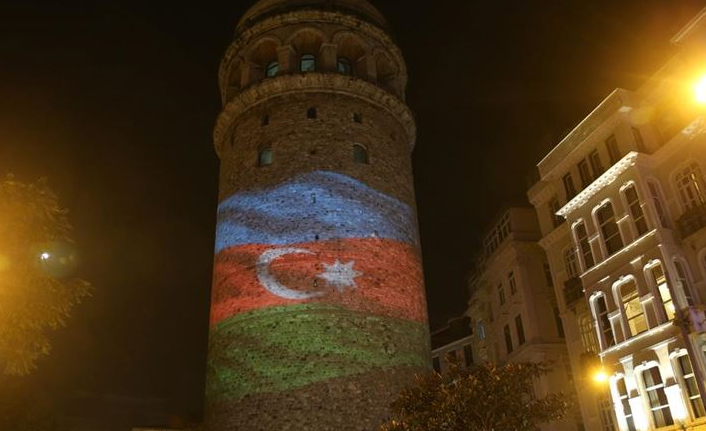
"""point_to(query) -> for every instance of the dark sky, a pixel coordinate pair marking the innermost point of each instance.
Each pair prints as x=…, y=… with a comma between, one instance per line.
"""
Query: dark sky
x=115, y=103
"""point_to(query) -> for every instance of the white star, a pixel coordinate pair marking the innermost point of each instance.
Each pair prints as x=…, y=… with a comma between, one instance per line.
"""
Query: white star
x=340, y=275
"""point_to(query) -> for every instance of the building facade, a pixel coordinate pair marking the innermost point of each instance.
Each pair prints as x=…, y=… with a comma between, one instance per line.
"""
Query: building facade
x=512, y=310
x=318, y=314
x=452, y=342
x=621, y=205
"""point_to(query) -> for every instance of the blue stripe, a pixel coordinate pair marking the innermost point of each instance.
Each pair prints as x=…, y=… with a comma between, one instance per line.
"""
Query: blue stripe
x=324, y=204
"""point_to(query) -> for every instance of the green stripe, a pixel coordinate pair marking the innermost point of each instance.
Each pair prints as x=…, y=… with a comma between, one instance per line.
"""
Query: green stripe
x=281, y=348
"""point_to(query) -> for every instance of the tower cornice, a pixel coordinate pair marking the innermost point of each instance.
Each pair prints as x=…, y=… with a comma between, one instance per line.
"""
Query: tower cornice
x=331, y=83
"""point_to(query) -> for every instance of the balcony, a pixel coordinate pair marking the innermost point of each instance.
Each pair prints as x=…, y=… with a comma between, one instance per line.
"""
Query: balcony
x=573, y=291
x=692, y=221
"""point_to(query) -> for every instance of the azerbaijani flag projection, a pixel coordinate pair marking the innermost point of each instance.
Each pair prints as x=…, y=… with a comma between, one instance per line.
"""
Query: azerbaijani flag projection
x=318, y=278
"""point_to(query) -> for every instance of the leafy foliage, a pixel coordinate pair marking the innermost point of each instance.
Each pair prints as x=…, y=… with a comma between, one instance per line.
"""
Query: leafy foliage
x=487, y=397
x=36, y=290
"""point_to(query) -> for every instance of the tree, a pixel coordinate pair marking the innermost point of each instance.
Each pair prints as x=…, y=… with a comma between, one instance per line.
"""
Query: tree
x=37, y=290
x=487, y=397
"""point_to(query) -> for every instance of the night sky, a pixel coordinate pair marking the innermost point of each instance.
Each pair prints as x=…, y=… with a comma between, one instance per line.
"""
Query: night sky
x=115, y=103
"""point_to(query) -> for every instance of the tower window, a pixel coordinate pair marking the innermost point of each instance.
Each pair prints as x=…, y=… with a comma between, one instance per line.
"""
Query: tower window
x=272, y=69
x=264, y=158
x=358, y=118
x=360, y=154
x=307, y=63
x=344, y=66
x=311, y=113
x=265, y=120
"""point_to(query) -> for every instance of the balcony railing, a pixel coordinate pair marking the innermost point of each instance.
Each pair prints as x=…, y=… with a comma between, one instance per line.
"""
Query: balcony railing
x=573, y=291
x=692, y=221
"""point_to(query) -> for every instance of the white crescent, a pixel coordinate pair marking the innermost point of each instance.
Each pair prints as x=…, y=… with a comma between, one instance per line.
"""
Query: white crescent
x=270, y=282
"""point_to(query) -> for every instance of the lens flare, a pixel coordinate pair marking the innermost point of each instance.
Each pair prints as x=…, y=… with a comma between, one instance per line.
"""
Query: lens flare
x=700, y=91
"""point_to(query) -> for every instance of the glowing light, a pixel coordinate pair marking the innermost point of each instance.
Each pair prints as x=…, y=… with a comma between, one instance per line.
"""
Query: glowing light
x=45, y=256
x=700, y=91
x=600, y=376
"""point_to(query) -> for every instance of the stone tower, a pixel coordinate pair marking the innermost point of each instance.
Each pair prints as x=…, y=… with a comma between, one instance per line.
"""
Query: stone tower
x=318, y=313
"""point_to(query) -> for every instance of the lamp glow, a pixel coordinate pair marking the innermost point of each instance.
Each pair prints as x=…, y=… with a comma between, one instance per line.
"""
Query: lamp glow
x=45, y=256
x=600, y=376
x=700, y=91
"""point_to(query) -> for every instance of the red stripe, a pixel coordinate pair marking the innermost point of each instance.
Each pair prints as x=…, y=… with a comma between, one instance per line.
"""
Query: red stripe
x=390, y=284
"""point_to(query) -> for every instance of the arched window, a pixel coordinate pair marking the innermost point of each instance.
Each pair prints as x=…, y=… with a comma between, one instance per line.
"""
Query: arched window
x=624, y=400
x=264, y=158
x=272, y=69
x=609, y=228
x=689, y=386
x=690, y=186
x=683, y=279
x=588, y=333
x=307, y=63
x=572, y=267
x=638, y=216
x=657, y=202
x=634, y=313
x=660, y=281
x=600, y=312
x=583, y=245
x=657, y=397
x=344, y=66
x=360, y=154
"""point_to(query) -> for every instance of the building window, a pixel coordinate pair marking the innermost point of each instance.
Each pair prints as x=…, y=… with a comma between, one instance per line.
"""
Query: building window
x=660, y=281
x=468, y=355
x=584, y=173
x=358, y=118
x=570, y=263
x=548, y=275
x=609, y=228
x=690, y=387
x=520, y=330
x=554, y=208
x=272, y=69
x=596, y=164
x=600, y=308
x=265, y=121
x=360, y=154
x=624, y=400
x=558, y=323
x=436, y=364
x=513, y=284
x=638, y=216
x=344, y=66
x=307, y=63
x=683, y=279
x=634, y=313
x=605, y=407
x=264, y=158
x=508, y=339
x=639, y=141
x=480, y=329
x=657, y=201
x=311, y=113
x=654, y=387
x=498, y=235
x=588, y=333
x=611, y=145
x=690, y=186
x=583, y=244
x=569, y=187
x=501, y=294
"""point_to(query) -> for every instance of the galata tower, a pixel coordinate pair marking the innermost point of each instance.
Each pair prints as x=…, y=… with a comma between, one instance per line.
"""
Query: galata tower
x=318, y=314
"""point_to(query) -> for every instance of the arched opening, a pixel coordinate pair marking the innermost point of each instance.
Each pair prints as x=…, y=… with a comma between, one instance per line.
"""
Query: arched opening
x=307, y=63
x=387, y=73
x=311, y=113
x=344, y=66
x=360, y=154
x=234, y=80
x=264, y=57
x=272, y=69
x=351, y=53
x=307, y=44
x=264, y=157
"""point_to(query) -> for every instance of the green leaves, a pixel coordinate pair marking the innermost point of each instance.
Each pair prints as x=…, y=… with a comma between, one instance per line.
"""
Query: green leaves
x=36, y=289
x=487, y=397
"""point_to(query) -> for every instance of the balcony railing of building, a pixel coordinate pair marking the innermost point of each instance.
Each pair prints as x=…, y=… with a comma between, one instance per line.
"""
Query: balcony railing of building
x=573, y=291
x=692, y=221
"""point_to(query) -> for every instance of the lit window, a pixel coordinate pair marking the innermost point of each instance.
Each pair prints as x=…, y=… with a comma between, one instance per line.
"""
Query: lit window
x=548, y=275
x=585, y=173
x=605, y=406
x=360, y=154
x=596, y=164
x=344, y=66
x=624, y=400
x=634, y=313
x=468, y=355
x=654, y=387
x=569, y=187
x=501, y=294
x=570, y=263
x=690, y=387
x=512, y=283
x=588, y=333
x=264, y=158
x=583, y=245
x=508, y=339
x=307, y=63
x=613, y=152
x=520, y=330
x=601, y=313
x=609, y=228
x=690, y=186
x=272, y=69
x=683, y=279
x=311, y=113
x=638, y=216
x=657, y=201
x=660, y=280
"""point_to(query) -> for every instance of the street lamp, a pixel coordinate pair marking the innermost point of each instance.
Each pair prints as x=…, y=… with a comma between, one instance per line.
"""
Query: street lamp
x=600, y=376
x=700, y=91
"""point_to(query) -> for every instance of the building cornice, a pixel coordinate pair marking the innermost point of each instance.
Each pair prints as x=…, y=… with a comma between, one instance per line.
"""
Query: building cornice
x=331, y=83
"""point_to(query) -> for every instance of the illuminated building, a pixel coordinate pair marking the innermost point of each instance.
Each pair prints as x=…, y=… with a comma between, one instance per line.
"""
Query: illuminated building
x=622, y=209
x=452, y=340
x=318, y=314
x=512, y=309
